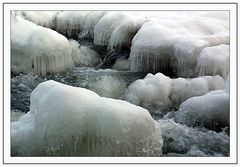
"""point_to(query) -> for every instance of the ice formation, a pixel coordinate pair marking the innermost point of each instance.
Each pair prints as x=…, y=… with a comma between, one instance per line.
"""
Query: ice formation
x=121, y=64
x=188, y=141
x=83, y=55
x=108, y=86
x=70, y=23
x=121, y=37
x=38, y=49
x=173, y=41
x=70, y=121
x=214, y=60
x=161, y=91
x=90, y=21
x=105, y=26
x=42, y=18
x=211, y=111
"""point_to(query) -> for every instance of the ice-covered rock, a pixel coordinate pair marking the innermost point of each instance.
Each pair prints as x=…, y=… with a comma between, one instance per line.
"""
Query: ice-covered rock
x=121, y=64
x=214, y=61
x=171, y=42
x=42, y=18
x=38, y=49
x=105, y=26
x=70, y=23
x=83, y=55
x=160, y=91
x=121, y=37
x=211, y=111
x=90, y=21
x=70, y=121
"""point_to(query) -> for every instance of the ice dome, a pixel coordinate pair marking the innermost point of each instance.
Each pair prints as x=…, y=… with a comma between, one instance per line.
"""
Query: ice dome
x=38, y=49
x=161, y=91
x=71, y=121
x=171, y=42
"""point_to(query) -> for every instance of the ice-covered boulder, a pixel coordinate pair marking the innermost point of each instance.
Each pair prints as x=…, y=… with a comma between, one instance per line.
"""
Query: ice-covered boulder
x=105, y=26
x=163, y=92
x=70, y=121
x=38, y=49
x=42, y=18
x=211, y=111
x=121, y=37
x=70, y=23
x=83, y=55
x=90, y=21
x=172, y=41
x=214, y=61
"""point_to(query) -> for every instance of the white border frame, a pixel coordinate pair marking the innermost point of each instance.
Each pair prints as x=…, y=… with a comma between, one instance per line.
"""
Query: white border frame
x=233, y=68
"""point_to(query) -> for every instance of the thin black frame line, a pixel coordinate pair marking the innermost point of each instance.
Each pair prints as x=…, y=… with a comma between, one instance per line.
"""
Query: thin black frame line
x=127, y=3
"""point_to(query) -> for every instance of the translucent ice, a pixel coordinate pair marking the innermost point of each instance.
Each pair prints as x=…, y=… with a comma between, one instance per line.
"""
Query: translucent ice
x=70, y=121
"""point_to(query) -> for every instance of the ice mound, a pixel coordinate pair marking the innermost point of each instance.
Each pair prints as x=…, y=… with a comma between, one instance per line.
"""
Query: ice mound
x=121, y=37
x=90, y=21
x=105, y=26
x=83, y=55
x=38, y=49
x=192, y=142
x=70, y=23
x=42, y=18
x=122, y=64
x=70, y=121
x=108, y=86
x=171, y=42
x=162, y=92
x=214, y=60
x=211, y=111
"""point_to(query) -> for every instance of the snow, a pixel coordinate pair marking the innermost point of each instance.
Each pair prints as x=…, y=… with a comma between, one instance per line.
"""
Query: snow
x=83, y=55
x=162, y=91
x=214, y=60
x=71, y=121
x=172, y=41
x=211, y=111
x=38, y=49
